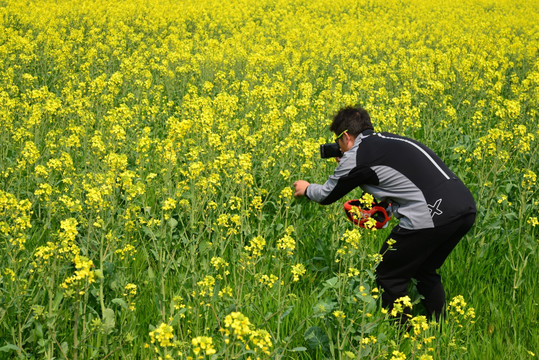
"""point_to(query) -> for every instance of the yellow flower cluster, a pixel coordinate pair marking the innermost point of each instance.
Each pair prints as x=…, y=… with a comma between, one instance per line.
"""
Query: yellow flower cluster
x=352, y=240
x=339, y=314
x=369, y=340
x=169, y=204
x=9, y=273
x=267, y=280
x=238, y=325
x=457, y=309
x=162, y=335
x=68, y=231
x=366, y=201
x=178, y=302
x=130, y=291
x=353, y=272
x=256, y=246
x=83, y=273
x=203, y=345
x=400, y=305
x=398, y=355
x=67, y=249
x=370, y=224
x=529, y=179
x=127, y=251
x=298, y=271
x=218, y=263
x=14, y=219
x=206, y=286
x=225, y=291
x=419, y=336
x=287, y=244
x=419, y=324
x=261, y=340
x=240, y=328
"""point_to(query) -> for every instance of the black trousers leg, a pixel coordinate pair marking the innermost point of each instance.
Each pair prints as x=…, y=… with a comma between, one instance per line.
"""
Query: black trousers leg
x=429, y=285
x=429, y=282
x=418, y=254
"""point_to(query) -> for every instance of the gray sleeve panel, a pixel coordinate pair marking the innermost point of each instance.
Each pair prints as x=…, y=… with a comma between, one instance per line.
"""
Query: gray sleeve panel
x=319, y=193
x=409, y=203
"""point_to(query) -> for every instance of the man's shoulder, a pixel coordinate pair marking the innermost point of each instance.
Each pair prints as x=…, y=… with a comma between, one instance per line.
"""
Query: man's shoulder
x=388, y=136
x=383, y=134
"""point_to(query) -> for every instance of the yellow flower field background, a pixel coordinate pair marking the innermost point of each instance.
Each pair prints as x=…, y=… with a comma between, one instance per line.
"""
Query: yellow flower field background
x=147, y=152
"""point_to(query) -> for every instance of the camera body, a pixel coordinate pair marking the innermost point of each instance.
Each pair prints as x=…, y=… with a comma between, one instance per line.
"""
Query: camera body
x=330, y=150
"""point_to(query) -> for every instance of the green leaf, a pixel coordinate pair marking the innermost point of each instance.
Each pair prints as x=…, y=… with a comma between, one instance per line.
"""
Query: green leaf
x=246, y=352
x=511, y=216
x=151, y=273
x=178, y=317
x=121, y=302
x=323, y=307
x=172, y=222
x=300, y=348
x=316, y=338
x=57, y=300
x=204, y=247
x=286, y=312
x=148, y=232
x=10, y=347
x=333, y=282
x=109, y=320
x=509, y=187
x=39, y=331
x=370, y=274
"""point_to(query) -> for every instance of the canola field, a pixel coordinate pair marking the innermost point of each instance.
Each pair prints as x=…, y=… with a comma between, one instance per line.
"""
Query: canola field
x=148, y=150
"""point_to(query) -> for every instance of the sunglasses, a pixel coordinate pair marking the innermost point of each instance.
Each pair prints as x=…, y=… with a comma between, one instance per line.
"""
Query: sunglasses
x=340, y=135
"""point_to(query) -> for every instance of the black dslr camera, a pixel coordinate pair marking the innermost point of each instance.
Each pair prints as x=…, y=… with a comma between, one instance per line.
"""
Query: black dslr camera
x=330, y=150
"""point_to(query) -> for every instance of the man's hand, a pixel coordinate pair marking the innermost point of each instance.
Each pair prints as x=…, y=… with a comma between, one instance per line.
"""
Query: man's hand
x=300, y=186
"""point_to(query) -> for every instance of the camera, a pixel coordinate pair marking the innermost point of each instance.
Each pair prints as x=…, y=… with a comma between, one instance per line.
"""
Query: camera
x=330, y=150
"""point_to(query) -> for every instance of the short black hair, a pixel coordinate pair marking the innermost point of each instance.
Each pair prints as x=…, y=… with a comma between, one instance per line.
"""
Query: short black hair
x=353, y=119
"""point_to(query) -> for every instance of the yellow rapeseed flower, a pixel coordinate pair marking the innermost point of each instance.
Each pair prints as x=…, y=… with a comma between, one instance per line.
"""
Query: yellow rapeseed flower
x=162, y=335
x=203, y=344
x=298, y=271
x=287, y=244
x=238, y=325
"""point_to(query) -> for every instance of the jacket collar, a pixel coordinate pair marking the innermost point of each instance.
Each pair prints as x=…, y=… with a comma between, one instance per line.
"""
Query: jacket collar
x=366, y=133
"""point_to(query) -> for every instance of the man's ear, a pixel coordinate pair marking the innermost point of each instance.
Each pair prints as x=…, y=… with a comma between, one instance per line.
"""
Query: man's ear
x=349, y=139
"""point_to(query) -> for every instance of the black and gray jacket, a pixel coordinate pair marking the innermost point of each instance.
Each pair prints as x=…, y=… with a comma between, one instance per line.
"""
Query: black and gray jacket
x=423, y=192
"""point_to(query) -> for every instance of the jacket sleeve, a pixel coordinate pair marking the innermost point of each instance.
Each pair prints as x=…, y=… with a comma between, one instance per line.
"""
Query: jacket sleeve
x=346, y=177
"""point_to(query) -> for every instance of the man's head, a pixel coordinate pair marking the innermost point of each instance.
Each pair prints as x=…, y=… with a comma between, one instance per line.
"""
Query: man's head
x=351, y=119
x=348, y=124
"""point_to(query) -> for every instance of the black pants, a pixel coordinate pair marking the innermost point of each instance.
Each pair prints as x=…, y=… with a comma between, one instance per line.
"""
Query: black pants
x=418, y=254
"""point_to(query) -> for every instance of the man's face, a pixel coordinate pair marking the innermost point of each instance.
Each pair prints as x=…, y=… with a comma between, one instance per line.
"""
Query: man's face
x=345, y=141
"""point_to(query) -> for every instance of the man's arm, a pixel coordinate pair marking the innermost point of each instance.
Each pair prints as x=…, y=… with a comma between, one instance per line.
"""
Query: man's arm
x=339, y=184
x=346, y=177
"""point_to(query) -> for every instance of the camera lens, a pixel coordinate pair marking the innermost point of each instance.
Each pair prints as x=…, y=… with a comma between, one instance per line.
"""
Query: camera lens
x=330, y=150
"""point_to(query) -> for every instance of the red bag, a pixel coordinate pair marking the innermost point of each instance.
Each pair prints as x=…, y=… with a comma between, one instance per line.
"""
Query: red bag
x=379, y=211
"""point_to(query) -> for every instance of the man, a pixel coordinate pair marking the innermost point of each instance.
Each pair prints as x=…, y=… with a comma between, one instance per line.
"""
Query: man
x=434, y=208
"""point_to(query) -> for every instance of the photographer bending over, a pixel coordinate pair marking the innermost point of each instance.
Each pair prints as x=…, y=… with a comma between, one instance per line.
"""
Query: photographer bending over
x=434, y=207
